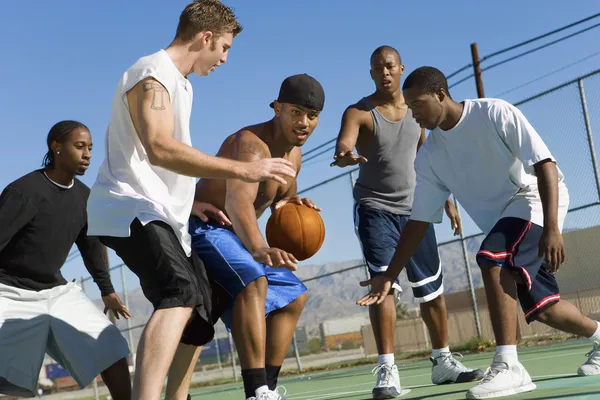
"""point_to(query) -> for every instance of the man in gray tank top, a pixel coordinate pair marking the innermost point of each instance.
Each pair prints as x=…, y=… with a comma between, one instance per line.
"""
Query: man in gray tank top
x=387, y=138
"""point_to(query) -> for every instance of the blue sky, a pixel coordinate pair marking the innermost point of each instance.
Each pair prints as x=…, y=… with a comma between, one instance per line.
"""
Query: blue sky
x=62, y=60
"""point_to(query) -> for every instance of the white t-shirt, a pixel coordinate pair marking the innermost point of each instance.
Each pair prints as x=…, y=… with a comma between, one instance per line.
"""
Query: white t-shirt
x=128, y=186
x=486, y=161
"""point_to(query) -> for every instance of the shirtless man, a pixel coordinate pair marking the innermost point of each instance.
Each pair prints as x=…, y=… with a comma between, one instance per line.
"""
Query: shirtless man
x=387, y=138
x=250, y=278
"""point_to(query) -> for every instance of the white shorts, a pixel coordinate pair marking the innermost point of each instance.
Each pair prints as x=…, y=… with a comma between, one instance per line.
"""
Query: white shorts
x=62, y=322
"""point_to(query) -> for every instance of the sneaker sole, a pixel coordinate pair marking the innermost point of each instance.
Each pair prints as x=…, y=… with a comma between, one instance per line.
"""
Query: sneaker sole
x=385, y=393
x=471, y=376
x=502, y=393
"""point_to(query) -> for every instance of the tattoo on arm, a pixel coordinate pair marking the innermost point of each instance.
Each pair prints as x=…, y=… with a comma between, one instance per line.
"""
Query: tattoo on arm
x=158, y=91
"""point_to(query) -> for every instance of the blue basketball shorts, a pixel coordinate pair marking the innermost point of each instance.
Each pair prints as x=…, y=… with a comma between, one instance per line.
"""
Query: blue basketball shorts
x=379, y=232
x=230, y=266
x=513, y=243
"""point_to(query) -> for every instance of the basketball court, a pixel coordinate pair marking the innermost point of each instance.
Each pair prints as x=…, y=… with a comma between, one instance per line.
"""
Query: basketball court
x=552, y=367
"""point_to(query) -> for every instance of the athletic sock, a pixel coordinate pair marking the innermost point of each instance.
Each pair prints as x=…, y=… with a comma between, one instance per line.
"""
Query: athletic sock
x=387, y=359
x=254, y=379
x=272, y=375
x=596, y=336
x=435, y=353
x=507, y=354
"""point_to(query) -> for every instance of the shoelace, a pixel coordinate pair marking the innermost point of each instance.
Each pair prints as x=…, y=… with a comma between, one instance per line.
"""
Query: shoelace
x=273, y=395
x=591, y=354
x=493, y=370
x=450, y=357
x=387, y=377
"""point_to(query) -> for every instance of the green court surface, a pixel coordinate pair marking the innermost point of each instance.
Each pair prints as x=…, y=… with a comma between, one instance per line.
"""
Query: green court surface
x=552, y=367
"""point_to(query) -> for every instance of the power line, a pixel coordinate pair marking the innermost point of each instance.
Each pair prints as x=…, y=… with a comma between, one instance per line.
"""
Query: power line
x=318, y=147
x=548, y=74
x=539, y=37
x=527, y=53
x=521, y=44
x=540, y=47
x=327, y=150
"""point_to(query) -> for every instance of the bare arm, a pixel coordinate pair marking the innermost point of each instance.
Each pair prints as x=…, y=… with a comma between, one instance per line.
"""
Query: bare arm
x=348, y=135
x=239, y=201
x=152, y=115
x=547, y=176
x=347, y=138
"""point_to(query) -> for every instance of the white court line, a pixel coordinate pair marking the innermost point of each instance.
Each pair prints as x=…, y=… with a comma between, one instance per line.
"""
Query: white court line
x=330, y=395
x=303, y=395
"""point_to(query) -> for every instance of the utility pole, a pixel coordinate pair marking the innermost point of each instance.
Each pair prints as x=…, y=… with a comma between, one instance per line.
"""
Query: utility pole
x=477, y=70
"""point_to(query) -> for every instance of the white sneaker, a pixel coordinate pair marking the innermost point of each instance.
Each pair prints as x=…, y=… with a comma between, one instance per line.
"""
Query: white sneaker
x=388, y=382
x=592, y=365
x=446, y=369
x=270, y=395
x=502, y=380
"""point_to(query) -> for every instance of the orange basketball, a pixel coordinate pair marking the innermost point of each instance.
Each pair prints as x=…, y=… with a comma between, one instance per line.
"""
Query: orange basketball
x=297, y=229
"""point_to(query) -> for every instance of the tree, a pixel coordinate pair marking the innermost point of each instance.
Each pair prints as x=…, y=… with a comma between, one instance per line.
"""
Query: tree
x=402, y=311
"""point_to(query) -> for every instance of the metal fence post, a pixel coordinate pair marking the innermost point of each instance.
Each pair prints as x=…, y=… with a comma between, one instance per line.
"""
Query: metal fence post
x=590, y=137
x=232, y=352
x=218, y=350
x=128, y=321
x=469, y=276
x=297, y=353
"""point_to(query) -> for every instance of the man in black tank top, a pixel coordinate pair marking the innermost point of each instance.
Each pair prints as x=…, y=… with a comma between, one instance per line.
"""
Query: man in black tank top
x=387, y=138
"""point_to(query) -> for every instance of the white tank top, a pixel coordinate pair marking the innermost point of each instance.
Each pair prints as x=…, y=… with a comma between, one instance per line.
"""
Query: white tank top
x=128, y=186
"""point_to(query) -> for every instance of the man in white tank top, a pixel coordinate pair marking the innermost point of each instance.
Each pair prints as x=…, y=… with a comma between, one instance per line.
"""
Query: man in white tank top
x=142, y=199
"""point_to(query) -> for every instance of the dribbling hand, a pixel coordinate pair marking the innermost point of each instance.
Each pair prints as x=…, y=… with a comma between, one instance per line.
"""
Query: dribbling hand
x=298, y=200
x=275, y=258
x=348, y=158
x=380, y=287
x=269, y=169
x=113, y=303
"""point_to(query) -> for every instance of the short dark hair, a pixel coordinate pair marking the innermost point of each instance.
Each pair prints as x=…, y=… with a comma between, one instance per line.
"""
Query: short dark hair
x=58, y=133
x=207, y=15
x=383, y=48
x=428, y=80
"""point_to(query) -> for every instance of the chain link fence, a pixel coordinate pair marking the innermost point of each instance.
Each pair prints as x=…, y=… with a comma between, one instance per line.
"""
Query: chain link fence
x=334, y=329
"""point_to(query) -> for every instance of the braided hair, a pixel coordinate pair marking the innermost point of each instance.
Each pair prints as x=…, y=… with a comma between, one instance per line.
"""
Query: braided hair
x=58, y=133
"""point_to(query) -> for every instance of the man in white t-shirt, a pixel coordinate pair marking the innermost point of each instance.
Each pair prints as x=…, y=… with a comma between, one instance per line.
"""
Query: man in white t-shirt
x=492, y=160
x=142, y=199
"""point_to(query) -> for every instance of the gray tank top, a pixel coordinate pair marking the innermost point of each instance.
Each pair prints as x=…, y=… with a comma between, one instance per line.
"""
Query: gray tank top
x=387, y=181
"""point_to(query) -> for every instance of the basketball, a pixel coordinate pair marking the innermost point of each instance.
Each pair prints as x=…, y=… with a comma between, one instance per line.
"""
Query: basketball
x=297, y=229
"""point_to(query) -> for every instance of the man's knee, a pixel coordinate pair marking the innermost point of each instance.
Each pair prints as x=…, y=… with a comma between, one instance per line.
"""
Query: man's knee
x=437, y=302
x=297, y=306
x=256, y=288
x=546, y=315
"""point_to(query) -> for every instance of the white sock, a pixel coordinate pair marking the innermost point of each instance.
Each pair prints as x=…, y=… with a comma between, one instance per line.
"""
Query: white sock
x=596, y=336
x=261, y=390
x=507, y=354
x=435, y=353
x=387, y=359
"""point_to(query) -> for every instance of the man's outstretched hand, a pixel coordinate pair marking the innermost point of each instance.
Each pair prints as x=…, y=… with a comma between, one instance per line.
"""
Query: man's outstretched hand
x=348, y=158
